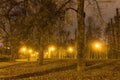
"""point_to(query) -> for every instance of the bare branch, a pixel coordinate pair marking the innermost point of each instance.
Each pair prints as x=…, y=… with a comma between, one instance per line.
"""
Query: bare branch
x=72, y=9
x=63, y=5
x=3, y=28
x=102, y=20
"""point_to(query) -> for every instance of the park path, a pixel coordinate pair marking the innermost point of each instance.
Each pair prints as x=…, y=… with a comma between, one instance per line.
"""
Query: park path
x=8, y=64
x=58, y=66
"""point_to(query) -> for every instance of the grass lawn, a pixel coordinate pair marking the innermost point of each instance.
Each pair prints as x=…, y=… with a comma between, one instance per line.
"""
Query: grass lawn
x=7, y=64
x=61, y=70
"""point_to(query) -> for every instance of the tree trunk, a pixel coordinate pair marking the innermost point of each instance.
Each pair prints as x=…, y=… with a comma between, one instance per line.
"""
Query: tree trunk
x=80, y=39
x=41, y=50
x=12, y=51
x=41, y=56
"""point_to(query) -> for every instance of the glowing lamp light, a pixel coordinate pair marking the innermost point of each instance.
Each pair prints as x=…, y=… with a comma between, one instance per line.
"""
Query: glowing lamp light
x=97, y=45
x=32, y=55
x=30, y=50
x=37, y=53
x=52, y=48
x=46, y=53
x=70, y=49
x=23, y=49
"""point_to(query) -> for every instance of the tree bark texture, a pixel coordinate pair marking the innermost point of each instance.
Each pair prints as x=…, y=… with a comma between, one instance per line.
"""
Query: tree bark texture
x=80, y=39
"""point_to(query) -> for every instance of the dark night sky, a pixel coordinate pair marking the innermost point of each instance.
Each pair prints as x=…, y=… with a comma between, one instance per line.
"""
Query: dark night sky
x=108, y=11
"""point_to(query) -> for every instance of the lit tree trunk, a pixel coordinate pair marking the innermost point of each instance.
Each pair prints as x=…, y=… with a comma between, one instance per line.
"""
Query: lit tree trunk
x=80, y=39
x=41, y=49
x=89, y=38
x=41, y=56
x=117, y=21
x=110, y=41
x=113, y=38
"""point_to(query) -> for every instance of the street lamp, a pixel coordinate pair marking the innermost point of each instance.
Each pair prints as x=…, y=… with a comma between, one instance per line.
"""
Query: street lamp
x=37, y=53
x=51, y=49
x=97, y=46
x=23, y=49
x=70, y=49
x=29, y=52
x=32, y=55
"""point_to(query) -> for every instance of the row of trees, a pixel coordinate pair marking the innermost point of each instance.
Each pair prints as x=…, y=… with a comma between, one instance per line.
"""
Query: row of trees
x=113, y=36
x=36, y=23
x=93, y=34
x=33, y=23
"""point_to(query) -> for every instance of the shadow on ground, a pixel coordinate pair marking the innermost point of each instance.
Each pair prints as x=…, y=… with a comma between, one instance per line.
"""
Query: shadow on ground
x=73, y=66
x=63, y=68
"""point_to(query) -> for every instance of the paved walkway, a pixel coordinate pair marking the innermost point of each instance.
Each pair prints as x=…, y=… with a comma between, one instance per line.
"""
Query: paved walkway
x=7, y=64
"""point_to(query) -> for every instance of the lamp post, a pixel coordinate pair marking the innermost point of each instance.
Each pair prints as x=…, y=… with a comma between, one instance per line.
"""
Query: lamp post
x=50, y=49
x=97, y=48
x=26, y=52
x=23, y=49
x=29, y=52
x=71, y=50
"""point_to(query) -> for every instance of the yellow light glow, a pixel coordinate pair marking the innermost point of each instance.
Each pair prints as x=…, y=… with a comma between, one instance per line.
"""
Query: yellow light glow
x=70, y=49
x=37, y=53
x=46, y=53
x=30, y=50
x=32, y=55
x=52, y=48
x=97, y=45
x=23, y=49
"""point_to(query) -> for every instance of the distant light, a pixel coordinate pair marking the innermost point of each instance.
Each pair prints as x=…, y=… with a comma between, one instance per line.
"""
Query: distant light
x=23, y=49
x=32, y=55
x=30, y=50
x=52, y=48
x=46, y=53
x=37, y=53
x=70, y=49
x=97, y=45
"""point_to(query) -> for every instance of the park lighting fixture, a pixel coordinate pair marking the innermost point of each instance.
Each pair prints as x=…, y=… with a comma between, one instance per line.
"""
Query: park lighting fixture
x=97, y=45
x=70, y=49
x=32, y=55
x=29, y=54
x=37, y=53
x=46, y=53
x=52, y=48
x=23, y=49
x=30, y=50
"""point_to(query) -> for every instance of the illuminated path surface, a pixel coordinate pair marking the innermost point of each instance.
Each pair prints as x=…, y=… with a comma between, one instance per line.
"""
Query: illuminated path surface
x=62, y=69
x=8, y=64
